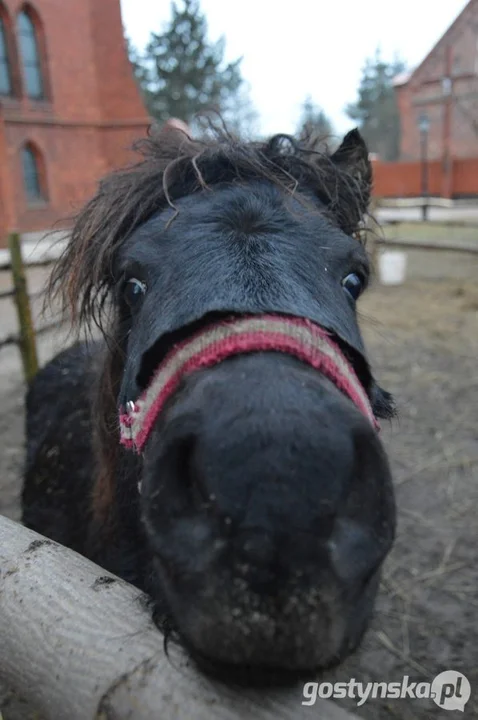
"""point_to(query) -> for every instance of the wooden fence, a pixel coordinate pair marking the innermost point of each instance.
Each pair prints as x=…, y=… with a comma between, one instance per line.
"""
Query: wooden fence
x=25, y=339
x=405, y=243
x=378, y=240
x=79, y=643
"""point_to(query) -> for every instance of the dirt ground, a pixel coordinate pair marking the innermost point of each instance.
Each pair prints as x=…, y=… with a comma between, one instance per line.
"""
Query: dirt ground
x=423, y=342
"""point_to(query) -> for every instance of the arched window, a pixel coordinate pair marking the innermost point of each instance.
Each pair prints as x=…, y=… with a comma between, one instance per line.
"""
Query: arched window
x=30, y=54
x=5, y=74
x=33, y=177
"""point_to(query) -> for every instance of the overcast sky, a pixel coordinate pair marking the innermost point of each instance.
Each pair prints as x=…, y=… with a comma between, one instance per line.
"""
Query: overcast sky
x=303, y=47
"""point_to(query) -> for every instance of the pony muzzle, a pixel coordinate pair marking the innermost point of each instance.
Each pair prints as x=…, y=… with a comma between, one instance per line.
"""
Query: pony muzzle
x=294, y=336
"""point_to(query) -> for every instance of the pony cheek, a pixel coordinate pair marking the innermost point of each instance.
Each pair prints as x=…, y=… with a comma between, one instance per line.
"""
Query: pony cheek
x=130, y=388
x=129, y=392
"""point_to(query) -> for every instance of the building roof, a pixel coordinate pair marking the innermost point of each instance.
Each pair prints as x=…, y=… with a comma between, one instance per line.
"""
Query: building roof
x=401, y=79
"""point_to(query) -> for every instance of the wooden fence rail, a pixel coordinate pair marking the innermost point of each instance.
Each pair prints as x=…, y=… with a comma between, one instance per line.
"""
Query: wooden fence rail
x=405, y=244
x=6, y=294
x=26, y=341
x=26, y=337
x=433, y=223
x=79, y=643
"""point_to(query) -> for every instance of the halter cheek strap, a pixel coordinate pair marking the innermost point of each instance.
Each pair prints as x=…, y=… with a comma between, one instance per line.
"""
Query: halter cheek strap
x=266, y=333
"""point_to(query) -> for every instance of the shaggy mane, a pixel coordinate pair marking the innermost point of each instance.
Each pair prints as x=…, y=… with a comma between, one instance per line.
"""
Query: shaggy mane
x=173, y=165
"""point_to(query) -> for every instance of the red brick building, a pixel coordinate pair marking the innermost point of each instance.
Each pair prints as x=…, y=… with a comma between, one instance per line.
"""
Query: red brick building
x=444, y=89
x=69, y=106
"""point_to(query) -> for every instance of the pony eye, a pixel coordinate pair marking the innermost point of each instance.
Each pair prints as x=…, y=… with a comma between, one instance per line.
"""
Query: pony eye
x=133, y=291
x=353, y=285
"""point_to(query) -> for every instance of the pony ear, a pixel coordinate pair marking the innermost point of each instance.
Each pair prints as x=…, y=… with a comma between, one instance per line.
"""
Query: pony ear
x=352, y=158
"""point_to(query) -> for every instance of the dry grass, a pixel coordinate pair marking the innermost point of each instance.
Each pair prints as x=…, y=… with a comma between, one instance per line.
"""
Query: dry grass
x=423, y=344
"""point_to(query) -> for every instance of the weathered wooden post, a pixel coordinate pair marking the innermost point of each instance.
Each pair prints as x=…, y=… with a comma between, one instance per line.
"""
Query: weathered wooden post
x=22, y=301
x=371, y=230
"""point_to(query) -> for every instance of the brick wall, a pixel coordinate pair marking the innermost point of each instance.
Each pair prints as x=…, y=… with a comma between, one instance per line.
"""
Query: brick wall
x=117, y=95
x=456, y=54
x=91, y=113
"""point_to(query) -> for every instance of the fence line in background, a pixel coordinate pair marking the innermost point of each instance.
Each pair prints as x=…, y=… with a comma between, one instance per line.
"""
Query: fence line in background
x=433, y=223
x=404, y=244
x=26, y=336
x=26, y=339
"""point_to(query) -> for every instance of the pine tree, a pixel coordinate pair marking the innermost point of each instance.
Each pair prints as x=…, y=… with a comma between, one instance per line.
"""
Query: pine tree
x=314, y=126
x=376, y=110
x=240, y=115
x=182, y=73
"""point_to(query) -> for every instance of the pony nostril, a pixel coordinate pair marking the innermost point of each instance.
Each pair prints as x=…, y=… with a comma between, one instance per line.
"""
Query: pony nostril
x=354, y=553
x=189, y=474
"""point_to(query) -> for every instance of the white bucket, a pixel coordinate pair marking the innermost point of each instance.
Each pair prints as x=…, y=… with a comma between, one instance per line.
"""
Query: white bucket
x=392, y=267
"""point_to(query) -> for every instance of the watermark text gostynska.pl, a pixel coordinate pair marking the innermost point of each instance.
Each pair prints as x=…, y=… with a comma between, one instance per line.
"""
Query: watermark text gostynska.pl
x=450, y=690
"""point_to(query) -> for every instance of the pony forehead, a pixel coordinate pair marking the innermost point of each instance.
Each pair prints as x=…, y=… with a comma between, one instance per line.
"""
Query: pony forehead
x=170, y=170
x=254, y=209
x=170, y=174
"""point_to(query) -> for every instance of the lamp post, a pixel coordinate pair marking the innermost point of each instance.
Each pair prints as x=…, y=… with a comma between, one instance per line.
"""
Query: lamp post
x=424, y=127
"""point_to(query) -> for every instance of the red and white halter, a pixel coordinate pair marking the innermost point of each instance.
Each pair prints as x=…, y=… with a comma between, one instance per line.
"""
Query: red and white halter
x=300, y=338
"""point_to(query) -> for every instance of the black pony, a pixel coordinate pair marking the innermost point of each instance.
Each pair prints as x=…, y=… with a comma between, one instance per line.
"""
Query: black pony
x=219, y=447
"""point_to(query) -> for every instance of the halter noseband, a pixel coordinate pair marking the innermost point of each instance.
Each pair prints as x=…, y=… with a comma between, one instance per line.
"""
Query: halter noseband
x=294, y=336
